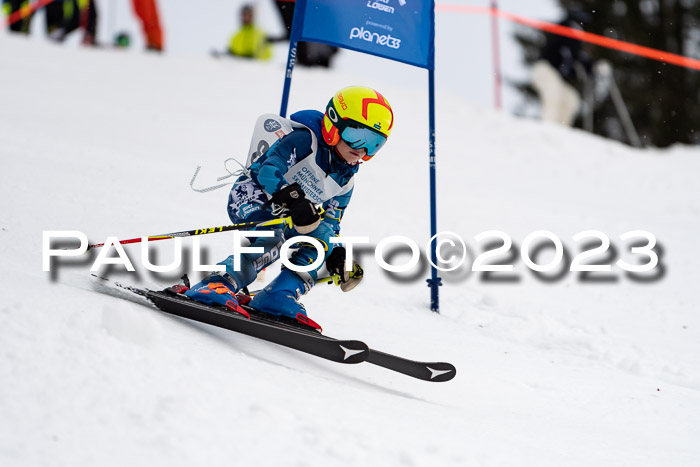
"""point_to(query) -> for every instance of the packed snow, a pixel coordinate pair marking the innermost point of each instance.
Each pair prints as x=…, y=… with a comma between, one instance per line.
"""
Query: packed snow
x=556, y=369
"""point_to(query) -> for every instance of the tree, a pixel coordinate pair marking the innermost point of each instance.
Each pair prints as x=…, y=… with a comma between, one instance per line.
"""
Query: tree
x=663, y=100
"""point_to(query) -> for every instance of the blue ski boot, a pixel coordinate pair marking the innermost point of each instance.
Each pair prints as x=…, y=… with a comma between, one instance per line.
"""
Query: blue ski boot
x=281, y=298
x=215, y=290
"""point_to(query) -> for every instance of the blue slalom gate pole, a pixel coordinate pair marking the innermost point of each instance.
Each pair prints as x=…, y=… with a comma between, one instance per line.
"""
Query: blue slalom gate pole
x=288, y=77
x=297, y=24
x=434, y=282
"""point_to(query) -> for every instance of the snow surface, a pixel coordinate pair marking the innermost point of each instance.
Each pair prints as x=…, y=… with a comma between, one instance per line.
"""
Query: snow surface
x=550, y=372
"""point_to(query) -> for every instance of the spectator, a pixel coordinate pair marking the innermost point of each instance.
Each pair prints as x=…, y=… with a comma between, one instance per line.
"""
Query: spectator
x=64, y=17
x=147, y=11
x=13, y=6
x=308, y=53
x=250, y=41
x=54, y=17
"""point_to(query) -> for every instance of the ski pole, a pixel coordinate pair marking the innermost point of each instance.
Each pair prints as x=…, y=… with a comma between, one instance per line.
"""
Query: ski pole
x=209, y=230
x=356, y=273
x=334, y=279
x=224, y=228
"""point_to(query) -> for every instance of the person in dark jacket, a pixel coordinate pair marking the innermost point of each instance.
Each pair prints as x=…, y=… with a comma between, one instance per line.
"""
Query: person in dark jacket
x=309, y=54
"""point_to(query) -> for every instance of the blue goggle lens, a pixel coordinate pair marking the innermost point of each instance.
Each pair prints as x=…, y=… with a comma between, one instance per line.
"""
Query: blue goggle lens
x=363, y=138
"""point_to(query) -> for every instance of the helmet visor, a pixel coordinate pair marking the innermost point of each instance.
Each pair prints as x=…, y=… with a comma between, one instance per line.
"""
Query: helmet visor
x=361, y=137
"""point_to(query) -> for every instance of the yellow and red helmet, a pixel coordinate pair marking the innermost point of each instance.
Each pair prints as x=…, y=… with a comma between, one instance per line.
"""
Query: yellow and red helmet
x=359, y=116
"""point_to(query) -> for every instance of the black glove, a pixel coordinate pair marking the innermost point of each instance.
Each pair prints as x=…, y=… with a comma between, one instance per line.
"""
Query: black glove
x=305, y=215
x=335, y=263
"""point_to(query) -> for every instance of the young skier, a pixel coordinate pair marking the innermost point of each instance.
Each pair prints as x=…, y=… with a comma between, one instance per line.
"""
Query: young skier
x=313, y=165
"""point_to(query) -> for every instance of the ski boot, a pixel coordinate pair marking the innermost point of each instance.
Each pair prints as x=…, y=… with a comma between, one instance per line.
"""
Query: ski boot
x=281, y=299
x=216, y=290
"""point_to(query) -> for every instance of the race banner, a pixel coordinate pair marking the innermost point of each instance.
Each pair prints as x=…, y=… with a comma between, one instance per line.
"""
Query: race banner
x=401, y=30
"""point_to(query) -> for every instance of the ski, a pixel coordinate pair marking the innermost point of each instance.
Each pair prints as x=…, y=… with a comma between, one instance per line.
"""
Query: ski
x=341, y=351
x=310, y=342
x=293, y=335
x=426, y=371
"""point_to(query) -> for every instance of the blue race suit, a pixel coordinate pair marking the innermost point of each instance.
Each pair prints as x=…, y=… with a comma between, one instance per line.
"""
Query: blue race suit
x=302, y=156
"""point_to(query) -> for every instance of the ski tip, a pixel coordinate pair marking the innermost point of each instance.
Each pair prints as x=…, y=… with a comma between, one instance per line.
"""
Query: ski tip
x=440, y=372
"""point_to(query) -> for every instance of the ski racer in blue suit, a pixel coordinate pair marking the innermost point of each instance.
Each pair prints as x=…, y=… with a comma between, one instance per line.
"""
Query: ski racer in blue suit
x=313, y=165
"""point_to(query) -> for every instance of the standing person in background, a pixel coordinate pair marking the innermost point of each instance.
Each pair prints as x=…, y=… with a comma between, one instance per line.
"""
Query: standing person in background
x=147, y=11
x=64, y=17
x=12, y=6
x=286, y=10
x=308, y=53
x=54, y=17
x=563, y=64
x=250, y=41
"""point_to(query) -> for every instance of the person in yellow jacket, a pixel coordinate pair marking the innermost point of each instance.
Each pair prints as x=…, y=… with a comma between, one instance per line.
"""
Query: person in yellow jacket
x=250, y=41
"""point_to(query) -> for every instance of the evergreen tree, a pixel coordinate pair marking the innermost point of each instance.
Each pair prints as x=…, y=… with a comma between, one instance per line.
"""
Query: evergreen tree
x=663, y=100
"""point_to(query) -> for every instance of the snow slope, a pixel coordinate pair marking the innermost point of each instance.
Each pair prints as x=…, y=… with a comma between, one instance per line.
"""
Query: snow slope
x=552, y=372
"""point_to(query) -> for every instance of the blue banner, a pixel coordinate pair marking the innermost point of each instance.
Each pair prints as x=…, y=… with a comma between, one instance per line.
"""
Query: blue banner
x=401, y=30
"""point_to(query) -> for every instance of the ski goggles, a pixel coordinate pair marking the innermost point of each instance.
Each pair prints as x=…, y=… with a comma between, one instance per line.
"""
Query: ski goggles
x=361, y=137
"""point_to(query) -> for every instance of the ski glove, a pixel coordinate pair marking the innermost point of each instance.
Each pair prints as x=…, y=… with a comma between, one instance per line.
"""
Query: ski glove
x=305, y=215
x=335, y=263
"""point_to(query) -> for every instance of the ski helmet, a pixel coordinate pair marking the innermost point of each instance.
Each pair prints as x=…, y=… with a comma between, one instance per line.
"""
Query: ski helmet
x=359, y=116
